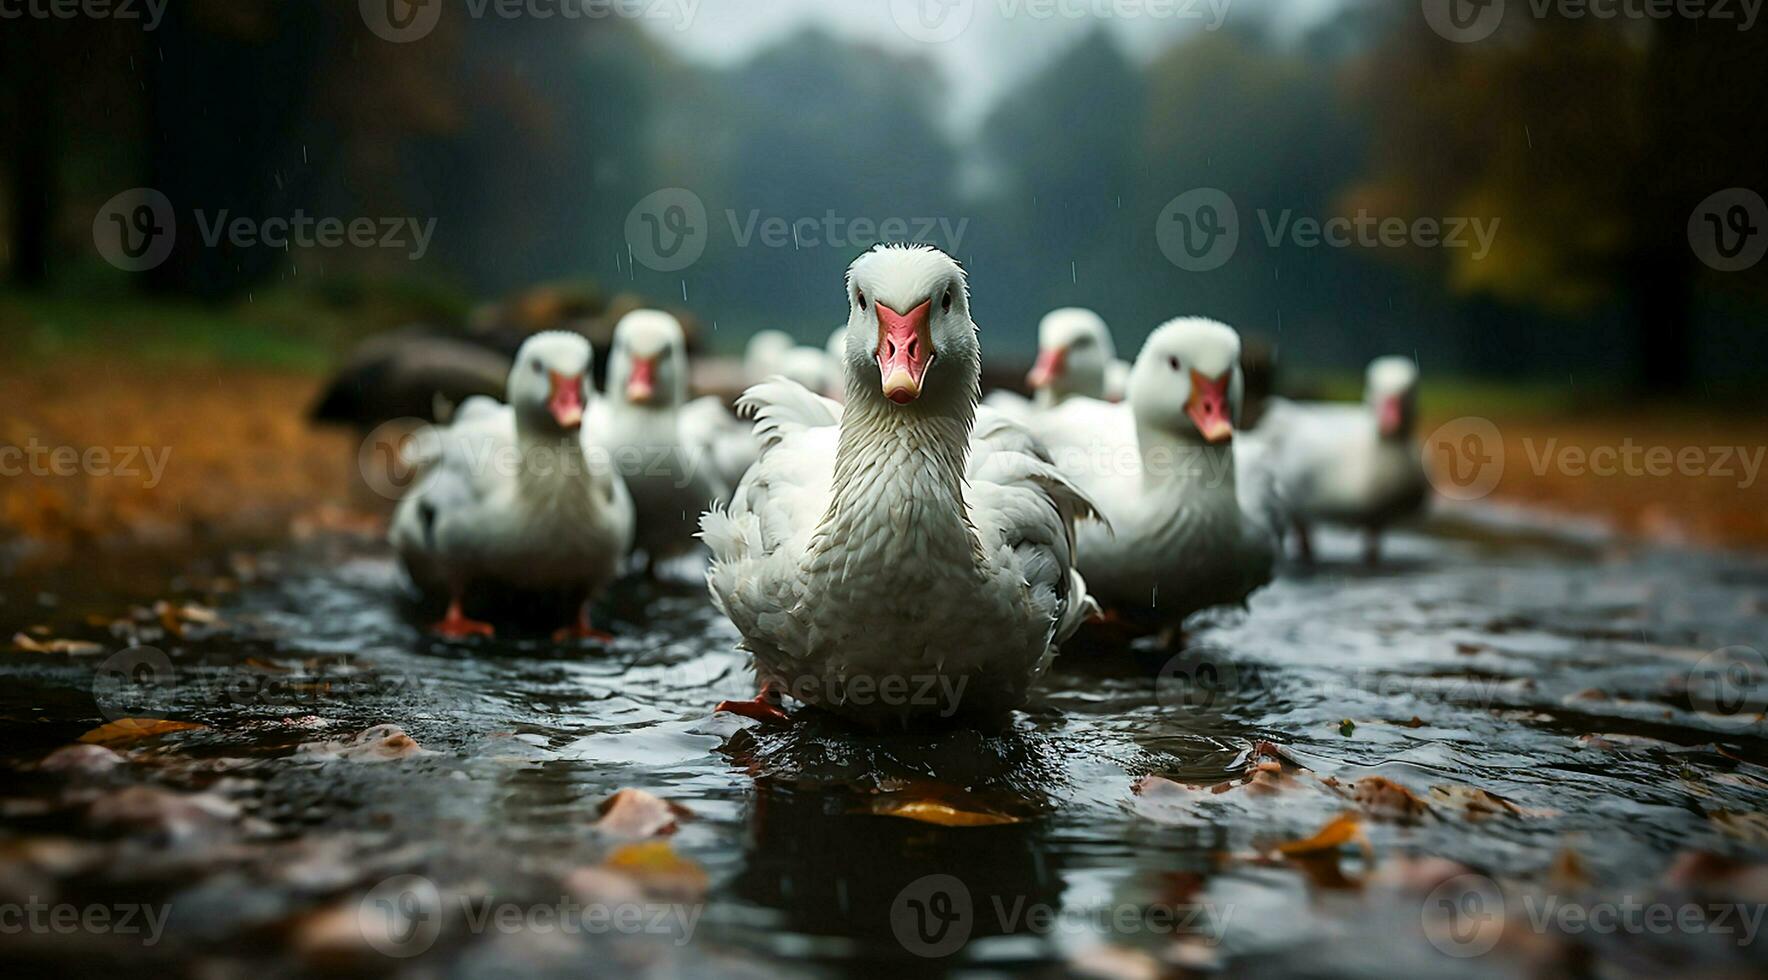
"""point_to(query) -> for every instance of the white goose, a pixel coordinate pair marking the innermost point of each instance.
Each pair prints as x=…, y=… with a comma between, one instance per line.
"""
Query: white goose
x=507, y=495
x=666, y=466
x=1351, y=464
x=1191, y=520
x=1074, y=358
x=903, y=545
x=836, y=351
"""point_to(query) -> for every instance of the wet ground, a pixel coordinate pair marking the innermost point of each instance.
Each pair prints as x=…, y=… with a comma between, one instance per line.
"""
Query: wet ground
x=1508, y=751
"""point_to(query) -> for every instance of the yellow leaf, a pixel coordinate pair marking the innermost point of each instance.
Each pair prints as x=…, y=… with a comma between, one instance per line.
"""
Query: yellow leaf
x=658, y=869
x=125, y=730
x=927, y=811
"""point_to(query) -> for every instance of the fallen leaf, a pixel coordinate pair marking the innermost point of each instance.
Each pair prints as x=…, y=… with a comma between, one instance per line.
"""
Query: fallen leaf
x=658, y=869
x=1567, y=873
x=927, y=811
x=1382, y=797
x=1745, y=826
x=1346, y=828
x=1347, y=728
x=634, y=813
x=1478, y=804
x=382, y=743
x=126, y=730
x=73, y=648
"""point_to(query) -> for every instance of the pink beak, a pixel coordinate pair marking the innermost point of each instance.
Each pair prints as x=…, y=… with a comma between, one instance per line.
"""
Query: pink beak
x=1387, y=415
x=905, y=349
x=566, y=401
x=1049, y=365
x=641, y=384
x=1208, y=407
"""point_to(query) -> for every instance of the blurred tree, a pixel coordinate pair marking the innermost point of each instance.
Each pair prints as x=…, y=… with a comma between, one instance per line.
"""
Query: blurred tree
x=1591, y=140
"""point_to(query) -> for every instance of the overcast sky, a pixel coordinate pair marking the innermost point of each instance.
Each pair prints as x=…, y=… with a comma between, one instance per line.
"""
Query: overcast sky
x=996, y=42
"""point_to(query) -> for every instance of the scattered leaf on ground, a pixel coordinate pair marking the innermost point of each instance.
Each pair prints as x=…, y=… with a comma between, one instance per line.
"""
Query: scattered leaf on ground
x=1478, y=804
x=126, y=730
x=1382, y=797
x=658, y=869
x=1347, y=728
x=1346, y=828
x=634, y=814
x=944, y=815
x=382, y=743
x=75, y=648
x=1745, y=826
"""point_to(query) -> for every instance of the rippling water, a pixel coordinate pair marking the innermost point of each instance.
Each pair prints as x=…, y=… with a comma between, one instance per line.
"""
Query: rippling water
x=1605, y=694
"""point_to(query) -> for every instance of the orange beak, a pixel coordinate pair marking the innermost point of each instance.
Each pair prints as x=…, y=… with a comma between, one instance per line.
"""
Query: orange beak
x=1049, y=366
x=566, y=399
x=1208, y=407
x=905, y=349
x=641, y=384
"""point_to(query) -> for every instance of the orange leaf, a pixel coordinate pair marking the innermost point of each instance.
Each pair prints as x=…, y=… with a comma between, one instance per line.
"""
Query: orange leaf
x=1341, y=830
x=927, y=811
x=634, y=813
x=126, y=730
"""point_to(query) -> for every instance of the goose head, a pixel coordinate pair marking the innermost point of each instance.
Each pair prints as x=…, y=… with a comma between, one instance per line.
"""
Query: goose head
x=549, y=384
x=910, y=340
x=761, y=356
x=1074, y=351
x=808, y=366
x=1390, y=390
x=1186, y=383
x=647, y=365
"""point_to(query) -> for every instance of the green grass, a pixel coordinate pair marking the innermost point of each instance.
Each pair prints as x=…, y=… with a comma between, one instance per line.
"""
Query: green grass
x=286, y=328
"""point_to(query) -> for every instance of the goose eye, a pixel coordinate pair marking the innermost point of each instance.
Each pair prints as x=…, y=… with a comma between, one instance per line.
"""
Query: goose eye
x=1173, y=363
x=945, y=304
x=862, y=298
x=538, y=369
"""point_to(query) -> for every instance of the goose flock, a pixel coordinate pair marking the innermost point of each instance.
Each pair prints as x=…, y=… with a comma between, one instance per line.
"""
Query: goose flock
x=877, y=530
